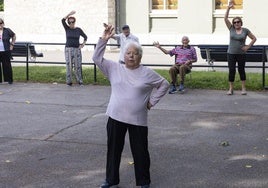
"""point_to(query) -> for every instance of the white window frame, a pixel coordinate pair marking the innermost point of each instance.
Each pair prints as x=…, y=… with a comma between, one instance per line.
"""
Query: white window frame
x=221, y=12
x=164, y=12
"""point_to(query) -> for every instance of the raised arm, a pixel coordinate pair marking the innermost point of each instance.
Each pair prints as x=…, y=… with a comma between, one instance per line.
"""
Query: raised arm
x=226, y=20
x=98, y=54
x=69, y=14
x=108, y=32
x=63, y=20
x=157, y=45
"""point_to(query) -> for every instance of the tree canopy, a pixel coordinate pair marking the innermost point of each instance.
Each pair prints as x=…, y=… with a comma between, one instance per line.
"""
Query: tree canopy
x=1, y=5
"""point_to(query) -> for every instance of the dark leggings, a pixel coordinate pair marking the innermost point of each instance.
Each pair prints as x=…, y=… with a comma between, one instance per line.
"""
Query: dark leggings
x=138, y=136
x=241, y=61
x=6, y=66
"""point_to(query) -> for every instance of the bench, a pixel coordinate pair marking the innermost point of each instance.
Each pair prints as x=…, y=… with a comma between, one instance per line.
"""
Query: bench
x=214, y=53
x=22, y=49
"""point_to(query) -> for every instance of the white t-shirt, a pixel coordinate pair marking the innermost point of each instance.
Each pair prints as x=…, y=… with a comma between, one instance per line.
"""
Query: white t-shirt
x=2, y=48
x=123, y=40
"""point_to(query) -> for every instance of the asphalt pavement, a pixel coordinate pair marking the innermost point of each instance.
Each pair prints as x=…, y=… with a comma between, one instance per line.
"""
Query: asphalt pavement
x=54, y=136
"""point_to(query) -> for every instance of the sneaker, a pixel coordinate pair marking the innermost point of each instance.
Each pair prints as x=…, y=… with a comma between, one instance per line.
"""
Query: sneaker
x=230, y=92
x=243, y=92
x=107, y=185
x=181, y=87
x=172, y=89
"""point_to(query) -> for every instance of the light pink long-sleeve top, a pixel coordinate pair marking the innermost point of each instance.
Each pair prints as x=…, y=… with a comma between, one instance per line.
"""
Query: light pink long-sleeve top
x=131, y=89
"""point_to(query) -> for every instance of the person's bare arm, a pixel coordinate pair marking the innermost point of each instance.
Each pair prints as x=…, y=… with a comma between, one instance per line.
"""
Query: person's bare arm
x=253, y=40
x=157, y=45
x=226, y=20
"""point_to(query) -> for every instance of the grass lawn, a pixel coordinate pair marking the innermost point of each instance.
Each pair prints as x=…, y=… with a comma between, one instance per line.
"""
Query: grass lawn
x=195, y=80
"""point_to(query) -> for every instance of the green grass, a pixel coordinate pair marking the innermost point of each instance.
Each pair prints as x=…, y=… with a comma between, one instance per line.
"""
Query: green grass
x=195, y=80
x=218, y=80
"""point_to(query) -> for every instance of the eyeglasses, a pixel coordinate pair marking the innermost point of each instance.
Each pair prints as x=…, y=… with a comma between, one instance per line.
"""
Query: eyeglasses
x=71, y=22
x=237, y=22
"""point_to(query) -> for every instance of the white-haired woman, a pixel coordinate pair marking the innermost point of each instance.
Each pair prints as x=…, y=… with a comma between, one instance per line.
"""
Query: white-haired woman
x=130, y=100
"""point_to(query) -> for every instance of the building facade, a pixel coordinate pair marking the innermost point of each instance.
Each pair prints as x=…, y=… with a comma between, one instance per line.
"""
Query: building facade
x=163, y=20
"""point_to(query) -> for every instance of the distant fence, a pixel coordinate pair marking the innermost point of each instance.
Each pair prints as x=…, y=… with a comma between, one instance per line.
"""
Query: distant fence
x=29, y=61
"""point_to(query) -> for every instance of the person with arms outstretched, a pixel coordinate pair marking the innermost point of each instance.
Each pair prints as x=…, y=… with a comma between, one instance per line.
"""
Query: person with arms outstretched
x=185, y=55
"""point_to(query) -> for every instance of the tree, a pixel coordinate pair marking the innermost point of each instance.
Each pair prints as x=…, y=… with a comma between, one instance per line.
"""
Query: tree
x=1, y=5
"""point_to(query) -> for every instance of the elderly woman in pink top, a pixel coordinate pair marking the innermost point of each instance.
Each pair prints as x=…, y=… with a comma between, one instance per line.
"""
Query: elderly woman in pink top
x=131, y=98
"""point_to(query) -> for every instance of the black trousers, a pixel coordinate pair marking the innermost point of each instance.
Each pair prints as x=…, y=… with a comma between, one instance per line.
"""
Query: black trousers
x=241, y=61
x=6, y=66
x=138, y=137
x=0, y=72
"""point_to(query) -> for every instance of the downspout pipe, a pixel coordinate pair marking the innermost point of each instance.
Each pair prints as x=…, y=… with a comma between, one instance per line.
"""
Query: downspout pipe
x=117, y=16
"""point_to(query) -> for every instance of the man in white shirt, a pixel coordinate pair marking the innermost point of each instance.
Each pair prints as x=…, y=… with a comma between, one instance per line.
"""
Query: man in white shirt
x=123, y=39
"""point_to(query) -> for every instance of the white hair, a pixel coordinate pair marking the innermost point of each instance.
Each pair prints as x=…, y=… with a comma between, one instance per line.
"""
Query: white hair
x=136, y=45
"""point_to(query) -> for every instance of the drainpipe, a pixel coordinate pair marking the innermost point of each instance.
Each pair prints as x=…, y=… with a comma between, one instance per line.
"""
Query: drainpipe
x=117, y=16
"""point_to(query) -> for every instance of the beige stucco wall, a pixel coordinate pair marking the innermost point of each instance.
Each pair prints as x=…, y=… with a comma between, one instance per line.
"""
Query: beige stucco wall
x=134, y=13
x=40, y=21
x=195, y=16
x=255, y=17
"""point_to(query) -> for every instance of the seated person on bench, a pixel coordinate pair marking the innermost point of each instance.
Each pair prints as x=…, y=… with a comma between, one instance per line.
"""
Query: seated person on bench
x=185, y=56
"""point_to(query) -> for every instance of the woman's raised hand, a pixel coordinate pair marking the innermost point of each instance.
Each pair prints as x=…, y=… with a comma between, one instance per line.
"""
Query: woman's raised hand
x=108, y=31
x=231, y=4
x=156, y=44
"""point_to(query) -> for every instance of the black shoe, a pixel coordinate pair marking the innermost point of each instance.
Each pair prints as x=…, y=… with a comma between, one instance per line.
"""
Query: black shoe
x=172, y=89
x=10, y=83
x=145, y=186
x=69, y=84
x=107, y=185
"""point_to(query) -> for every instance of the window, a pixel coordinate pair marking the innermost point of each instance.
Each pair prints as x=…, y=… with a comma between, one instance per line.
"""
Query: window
x=222, y=4
x=164, y=4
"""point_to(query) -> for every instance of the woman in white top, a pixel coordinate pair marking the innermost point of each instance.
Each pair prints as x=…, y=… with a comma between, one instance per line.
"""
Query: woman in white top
x=131, y=98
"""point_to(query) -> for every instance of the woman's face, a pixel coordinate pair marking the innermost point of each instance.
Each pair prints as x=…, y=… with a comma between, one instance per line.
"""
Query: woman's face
x=1, y=24
x=237, y=23
x=132, y=57
x=71, y=23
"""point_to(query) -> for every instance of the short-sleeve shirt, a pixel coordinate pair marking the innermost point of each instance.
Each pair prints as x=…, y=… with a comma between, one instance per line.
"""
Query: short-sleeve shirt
x=237, y=41
x=183, y=54
x=123, y=40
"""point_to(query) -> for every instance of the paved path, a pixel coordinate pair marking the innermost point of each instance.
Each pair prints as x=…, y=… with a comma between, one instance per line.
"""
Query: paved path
x=53, y=136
